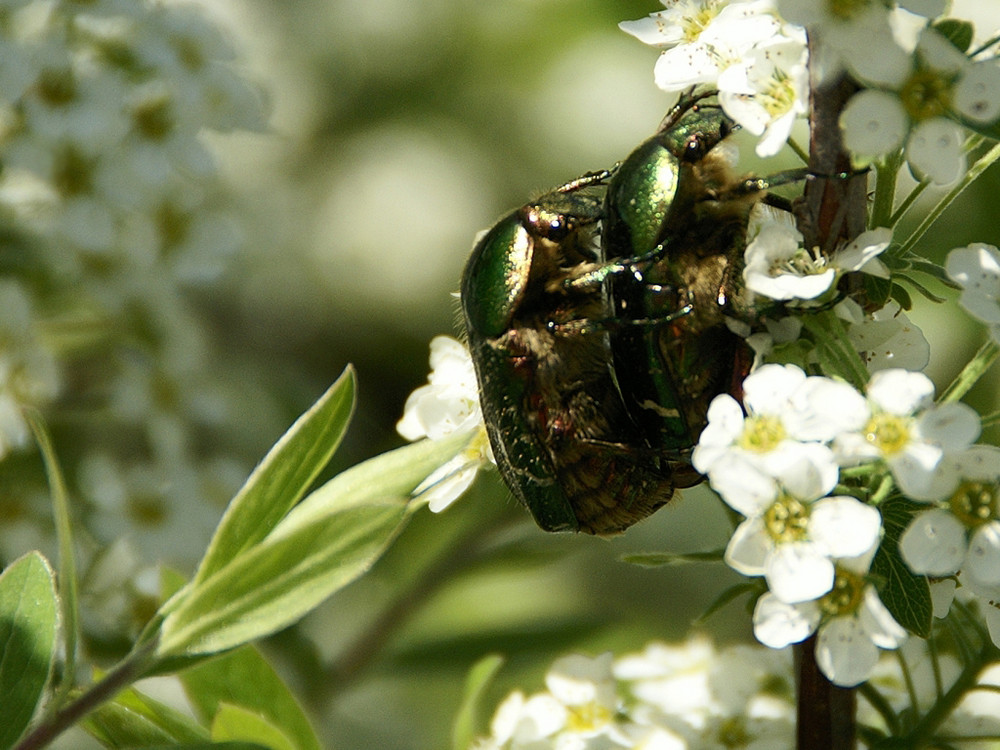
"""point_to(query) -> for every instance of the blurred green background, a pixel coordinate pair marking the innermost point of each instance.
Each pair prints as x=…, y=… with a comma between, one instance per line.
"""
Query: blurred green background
x=399, y=129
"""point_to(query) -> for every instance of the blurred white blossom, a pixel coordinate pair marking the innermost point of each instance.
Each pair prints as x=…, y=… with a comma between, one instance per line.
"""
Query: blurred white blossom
x=977, y=269
x=449, y=403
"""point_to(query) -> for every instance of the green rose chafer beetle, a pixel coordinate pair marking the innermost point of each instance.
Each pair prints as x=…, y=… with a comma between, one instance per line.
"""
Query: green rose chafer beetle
x=675, y=208
x=536, y=311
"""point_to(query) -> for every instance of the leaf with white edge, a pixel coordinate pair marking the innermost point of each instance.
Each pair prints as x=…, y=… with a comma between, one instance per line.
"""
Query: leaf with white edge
x=236, y=723
x=243, y=678
x=136, y=720
x=395, y=474
x=463, y=730
x=283, y=477
x=28, y=628
x=275, y=583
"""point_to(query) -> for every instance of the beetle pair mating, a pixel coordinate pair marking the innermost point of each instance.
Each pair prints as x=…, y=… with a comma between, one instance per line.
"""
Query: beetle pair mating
x=597, y=360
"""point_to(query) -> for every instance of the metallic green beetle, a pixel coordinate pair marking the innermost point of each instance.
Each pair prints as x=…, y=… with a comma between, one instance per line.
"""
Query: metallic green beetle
x=674, y=207
x=535, y=310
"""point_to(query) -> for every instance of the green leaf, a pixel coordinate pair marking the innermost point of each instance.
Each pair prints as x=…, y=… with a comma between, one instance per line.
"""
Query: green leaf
x=275, y=583
x=927, y=293
x=754, y=588
x=28, y=629
x=395, y=474
x=69, y=600
x=905, y=594
x=463, y=730
x=283, y=477
x=877, y=290
x=136, y=720
x=902, y=297
x=956, y=31
x=243, y=678
x=208, y=746
x=236, y=723
x=660, y=559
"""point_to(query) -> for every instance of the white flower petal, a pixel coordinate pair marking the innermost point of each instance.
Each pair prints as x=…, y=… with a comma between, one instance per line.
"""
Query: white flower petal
x=808, y=470
x=874, y=123
x=766, y=390
x=822, y=408
x=900, y=392
x=942, y=595
x=748, y=548
x=983, y=560
x=844, y=526
x=884, y=631
x=977, y=93
x=655, y=30
x=742, y=484
x=863, y=248
x=934, y=148
x=777, y=624
x=955, y=425
x=798, y=572
x=934, y=543
x=844, y=652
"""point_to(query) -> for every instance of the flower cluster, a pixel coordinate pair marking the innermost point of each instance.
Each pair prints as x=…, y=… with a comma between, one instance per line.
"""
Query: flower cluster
x=918, y=85
x=114, y=211
x=694, y=695
x=666, y=696
x=757, y=62
x=777, y=463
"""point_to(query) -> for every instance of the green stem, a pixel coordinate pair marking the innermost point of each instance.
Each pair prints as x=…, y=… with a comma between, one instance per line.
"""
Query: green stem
x=885, y=192
x=830, y=337
x=908, y=202
x=971, y=373
x=974, y=172
x=923, y=733
x=127, y=671
x=881, y=705
x=991, y=419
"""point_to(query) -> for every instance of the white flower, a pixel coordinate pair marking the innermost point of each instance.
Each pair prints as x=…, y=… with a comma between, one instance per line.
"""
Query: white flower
x=792, y=539
x=852, y=625
x=777, y=266
x=701, y=38
x=977, y=268
x=905, y=430
x=586, y=687
x=886, y=338
x=856, y=36
x=913, y=111
x=768, y=89
x=789, y=417
x=963, y=534
x=521, y=722
x=449, y=403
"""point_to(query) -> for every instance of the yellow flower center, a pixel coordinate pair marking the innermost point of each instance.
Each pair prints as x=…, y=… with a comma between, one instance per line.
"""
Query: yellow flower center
x=587, y=717
x=762, y=433
x=787, y=520
x=847, y=9
x=846, y=596
x=888, y=432
x=926, y=94
x=698, y=18
x=974, y=503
